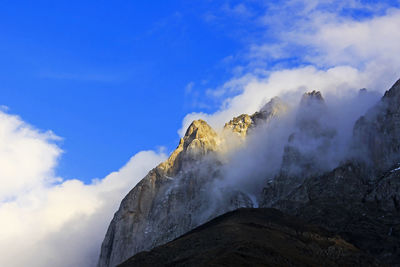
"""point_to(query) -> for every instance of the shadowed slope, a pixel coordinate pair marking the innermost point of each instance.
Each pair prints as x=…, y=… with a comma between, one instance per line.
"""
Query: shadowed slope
x=254, y=237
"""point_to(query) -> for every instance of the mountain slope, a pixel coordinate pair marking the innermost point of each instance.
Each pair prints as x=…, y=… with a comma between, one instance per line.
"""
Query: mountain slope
x=175, y=196
x=355, y=195
x=254, y=237
x=360, y=199
x=135, y=225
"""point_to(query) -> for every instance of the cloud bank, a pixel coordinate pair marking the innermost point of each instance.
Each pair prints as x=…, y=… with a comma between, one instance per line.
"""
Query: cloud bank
x=332, y=52
x=46, y=221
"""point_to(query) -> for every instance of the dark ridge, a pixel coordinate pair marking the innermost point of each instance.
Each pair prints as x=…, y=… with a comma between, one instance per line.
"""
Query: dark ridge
x=394, y=90
x=254, y=237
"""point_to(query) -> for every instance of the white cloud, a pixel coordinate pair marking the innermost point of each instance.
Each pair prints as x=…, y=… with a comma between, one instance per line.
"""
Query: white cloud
x=27, y=157
x=350, y=42
x=335, y=54
x=257, y=92
x=49, y=223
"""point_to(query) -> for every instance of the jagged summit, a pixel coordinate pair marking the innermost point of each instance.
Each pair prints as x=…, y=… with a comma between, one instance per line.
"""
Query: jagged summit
x=193, y=185
x=310, y=138
x=239, y=124
x=311, y=113
x=242, y=123
x=311, y=98
x=376, y=134
x=200, y=136
x=154, y=212
x=274, y=107
x=358, y=199
x=199, y=139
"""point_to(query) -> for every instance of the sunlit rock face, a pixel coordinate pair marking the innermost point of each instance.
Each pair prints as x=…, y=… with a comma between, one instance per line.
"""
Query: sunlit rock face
x=242, y=124
x=172, y=199
x=199, y=140
x=357, y=197
x=239, y=125
x=180, y=193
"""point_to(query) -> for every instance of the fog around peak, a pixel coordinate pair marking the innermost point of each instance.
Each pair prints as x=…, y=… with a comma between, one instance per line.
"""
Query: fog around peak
x=57, y=222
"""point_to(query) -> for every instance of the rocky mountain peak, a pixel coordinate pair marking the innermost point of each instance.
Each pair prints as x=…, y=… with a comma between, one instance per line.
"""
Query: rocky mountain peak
x=312, y=110
x=199, y=140
x=175, y=196
x=310, y=138
x=242, y=123
x=376, y=133
x=274, y=107
x=311, y=98
x=200, y=135
x=239, y=124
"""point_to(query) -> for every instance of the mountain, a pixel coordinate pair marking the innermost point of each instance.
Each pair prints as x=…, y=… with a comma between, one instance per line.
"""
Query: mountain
x=174, y=197
x=359, y=199
x=244, y=123
x=150, y=213
x=352, y=190
x=254, y=237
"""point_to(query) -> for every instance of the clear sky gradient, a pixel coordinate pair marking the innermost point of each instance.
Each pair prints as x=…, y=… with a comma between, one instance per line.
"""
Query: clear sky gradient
x=116, y=77
x=109, y=77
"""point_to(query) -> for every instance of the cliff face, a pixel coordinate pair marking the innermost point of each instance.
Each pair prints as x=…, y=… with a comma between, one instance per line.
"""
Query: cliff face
x=310, y=138
x=175, y=196
x=147, y=215
x=376, y=134
x=357, y=197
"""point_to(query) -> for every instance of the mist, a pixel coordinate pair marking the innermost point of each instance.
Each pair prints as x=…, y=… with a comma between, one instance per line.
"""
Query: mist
x=319, y=133
x=49, y=221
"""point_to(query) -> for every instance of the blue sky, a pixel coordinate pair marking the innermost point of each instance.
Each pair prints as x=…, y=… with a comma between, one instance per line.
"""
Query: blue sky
x=117, y=80
x=108, y=77
x=114, y=78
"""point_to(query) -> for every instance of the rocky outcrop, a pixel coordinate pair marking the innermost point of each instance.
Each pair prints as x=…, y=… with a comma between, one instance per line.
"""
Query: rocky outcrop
x=254, y=237
x=241, y=124
x=359, y=199
x=345, y=202
x=172, y=199
x=356, y=197
x=274, y=108
x=199, y=140
x=147, y=216
x=376, y=135
x=175, y=196
x=311, y=138
x=301, y=158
